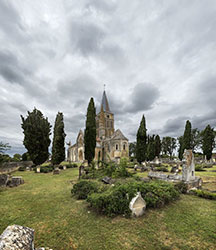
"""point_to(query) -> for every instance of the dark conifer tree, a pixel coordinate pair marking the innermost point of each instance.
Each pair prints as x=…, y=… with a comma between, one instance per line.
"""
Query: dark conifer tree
x=150, y=155
x=141, y=141
x=208, y=143
x=58, y=147
x=157, y=145
x=187, y=137
x=181, y=149
x=36, y=131
x=90, y=132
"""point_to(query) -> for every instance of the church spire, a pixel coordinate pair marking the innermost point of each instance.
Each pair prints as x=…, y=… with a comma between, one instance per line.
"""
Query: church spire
x=104, y=103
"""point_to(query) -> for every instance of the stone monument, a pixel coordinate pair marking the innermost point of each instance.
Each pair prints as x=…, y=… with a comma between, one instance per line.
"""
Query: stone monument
x=137, y=205
x=188, y=169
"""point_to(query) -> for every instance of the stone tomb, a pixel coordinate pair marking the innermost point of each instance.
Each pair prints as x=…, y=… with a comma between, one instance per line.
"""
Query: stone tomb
x=137, y=205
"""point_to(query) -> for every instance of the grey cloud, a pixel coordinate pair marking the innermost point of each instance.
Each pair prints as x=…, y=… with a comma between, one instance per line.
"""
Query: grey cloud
x=174, y=127
x=86, y=37
x=101, y=5
x=142, y=97
x=10, y=21
x=12, y=69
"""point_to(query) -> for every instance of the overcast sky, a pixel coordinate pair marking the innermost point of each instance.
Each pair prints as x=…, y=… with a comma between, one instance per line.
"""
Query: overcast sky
x=157, y=58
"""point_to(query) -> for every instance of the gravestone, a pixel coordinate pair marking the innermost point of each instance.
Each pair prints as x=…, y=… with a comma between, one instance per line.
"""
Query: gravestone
x=56, y=171
x=3, y=180
x=15, y=181
x=64, y=167
x=157, y=162
x=188, y=169
x=137, y=205
x=37, y=169
x=17, y=238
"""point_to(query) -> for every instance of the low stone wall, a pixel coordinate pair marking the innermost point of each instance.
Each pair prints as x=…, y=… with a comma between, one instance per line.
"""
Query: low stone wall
x=197, y=182
x=17, y=237
x=8, y=167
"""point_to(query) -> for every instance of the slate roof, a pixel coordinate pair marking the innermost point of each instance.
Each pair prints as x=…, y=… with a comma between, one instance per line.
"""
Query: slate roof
x=105, y=103
x=118, y=135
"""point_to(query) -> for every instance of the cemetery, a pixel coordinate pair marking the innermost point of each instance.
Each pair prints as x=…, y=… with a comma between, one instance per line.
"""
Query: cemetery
x=112, y=203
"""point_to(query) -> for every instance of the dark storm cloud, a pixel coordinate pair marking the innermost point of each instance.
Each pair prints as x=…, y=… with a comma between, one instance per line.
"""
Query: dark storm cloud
x=142, y=97
x=174, y=127
x=10, y=68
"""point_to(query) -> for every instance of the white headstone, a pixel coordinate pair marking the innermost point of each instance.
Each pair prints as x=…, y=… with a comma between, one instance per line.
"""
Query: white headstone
x=38, y=170
x=137, y=205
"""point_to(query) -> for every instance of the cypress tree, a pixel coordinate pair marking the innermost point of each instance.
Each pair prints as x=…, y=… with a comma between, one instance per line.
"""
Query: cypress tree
x=90, y=132
x=141, y=141
x=150, y=155
x=58, y=147
x=157, y=145
x=36, y=131
x=187, y=137
x=181, y=149
x=208, y=142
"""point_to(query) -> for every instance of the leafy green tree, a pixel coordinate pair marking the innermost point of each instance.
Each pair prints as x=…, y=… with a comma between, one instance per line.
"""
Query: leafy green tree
x=90, y=132
x=58, y=147
x=36, y=131
x=4, y=147
x=187, y=137
x=157, y=145
x=180, y=149
x=195, y=139
x=141, y=145
x=168, y=145
x=4, y=157
x=208, y=141
x=17, y=157
x=26, y=157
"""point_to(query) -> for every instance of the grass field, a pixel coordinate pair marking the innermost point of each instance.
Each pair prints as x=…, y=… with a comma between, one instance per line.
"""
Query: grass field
x=44, y=203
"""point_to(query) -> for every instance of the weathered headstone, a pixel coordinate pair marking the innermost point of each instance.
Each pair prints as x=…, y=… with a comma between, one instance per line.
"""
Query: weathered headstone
x=137, y=205
x=3, y=180
x=15, y=181
x=188, y=169
x=37, y=169
x=56, y=171
x=17, y=238
x=64, y=167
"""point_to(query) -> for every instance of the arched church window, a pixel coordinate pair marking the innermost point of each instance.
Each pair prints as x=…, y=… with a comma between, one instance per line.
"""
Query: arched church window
x=124, y=146
x=117, y=146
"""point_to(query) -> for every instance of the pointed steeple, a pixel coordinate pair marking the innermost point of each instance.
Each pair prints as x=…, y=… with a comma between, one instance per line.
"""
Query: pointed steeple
x=104, y=103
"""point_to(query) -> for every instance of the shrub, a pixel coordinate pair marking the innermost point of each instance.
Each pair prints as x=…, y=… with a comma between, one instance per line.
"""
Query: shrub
x=72, y=165
x=204, y=194
x=116, y=200
x=199, y=168
x=181, y=187
x=121, y=170
x=46, y=169
x=83, y=188
x=22, y=169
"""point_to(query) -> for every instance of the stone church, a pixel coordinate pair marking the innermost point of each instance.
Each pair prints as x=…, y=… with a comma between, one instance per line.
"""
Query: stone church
x=111, y=144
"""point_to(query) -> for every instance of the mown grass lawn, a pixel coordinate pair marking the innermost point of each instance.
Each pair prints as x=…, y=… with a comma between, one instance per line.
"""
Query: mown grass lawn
x=44, y=203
